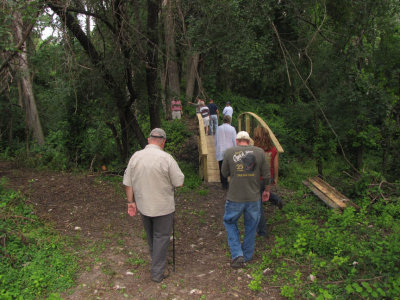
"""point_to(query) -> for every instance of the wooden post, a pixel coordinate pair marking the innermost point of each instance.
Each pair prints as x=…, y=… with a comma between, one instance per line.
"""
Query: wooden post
x=203, y=152
x=247, y=123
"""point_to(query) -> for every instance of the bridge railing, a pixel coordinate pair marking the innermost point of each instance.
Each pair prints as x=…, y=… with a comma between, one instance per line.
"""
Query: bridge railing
x=247, y=121
x=203, y=152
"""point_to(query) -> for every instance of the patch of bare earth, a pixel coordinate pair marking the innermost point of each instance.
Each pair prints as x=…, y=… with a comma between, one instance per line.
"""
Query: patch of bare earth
x=111, y=246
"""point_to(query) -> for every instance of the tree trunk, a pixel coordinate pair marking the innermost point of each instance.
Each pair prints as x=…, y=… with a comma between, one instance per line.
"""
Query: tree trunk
x=10, y=121
x=28, y=99
x=153, y=9
x=191, y=74
x=171, y=59
x=164, y=92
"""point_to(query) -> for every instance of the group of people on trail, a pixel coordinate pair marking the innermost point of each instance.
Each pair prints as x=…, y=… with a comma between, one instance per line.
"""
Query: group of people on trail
x=209, y=112
x=152, y=176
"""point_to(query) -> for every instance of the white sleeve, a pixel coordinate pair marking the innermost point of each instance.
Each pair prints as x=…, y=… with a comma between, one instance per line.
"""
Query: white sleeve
x=175, y=174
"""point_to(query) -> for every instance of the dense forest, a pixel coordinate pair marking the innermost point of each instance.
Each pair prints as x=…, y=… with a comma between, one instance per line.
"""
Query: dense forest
x=82, y=82
x=323, y=74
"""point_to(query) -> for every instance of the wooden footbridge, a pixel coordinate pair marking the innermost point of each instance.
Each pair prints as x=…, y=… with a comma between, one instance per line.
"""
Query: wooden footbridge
x=209, y=169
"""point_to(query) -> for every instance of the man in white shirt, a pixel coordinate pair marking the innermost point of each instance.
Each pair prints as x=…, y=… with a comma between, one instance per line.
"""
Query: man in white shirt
x=225, y=138
x=150, y=179
x=228, y=110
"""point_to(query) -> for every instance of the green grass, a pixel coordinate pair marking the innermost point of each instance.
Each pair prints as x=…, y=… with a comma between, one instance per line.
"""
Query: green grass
x=34, y=260
x=352, y=255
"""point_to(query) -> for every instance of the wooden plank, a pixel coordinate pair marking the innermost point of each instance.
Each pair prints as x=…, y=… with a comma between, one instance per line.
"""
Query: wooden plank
x=335, y=192
x=202, y=149
x=338, y=196
x=321, y=196
x=328, y=194
x=211, y=169
x=205, y=172
x=322, y=186
x=213, y=166
x=202, y=134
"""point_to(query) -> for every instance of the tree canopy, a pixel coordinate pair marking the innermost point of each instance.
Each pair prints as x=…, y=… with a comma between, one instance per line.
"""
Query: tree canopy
x=323, y=73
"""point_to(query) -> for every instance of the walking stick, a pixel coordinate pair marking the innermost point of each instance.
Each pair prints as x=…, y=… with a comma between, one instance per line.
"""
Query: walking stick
x=173, y=243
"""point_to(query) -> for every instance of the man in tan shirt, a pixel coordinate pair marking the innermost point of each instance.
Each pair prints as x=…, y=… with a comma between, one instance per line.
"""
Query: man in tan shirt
x=150, y=179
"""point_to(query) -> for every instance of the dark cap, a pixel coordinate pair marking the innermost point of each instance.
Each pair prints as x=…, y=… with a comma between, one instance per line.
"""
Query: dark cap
x=158, y=133
x=228, y=102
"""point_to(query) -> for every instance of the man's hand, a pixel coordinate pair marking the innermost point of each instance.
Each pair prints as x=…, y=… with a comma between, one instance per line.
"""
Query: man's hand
x=265, y=196
x=132, y=209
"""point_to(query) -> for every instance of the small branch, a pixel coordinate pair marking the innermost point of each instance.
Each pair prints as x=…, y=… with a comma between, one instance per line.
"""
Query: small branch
x=91, y=164
x=82, y=66
x=283, y=52
x=94, y=15
x=315, y=26
x=380, y=190
x=310, y=42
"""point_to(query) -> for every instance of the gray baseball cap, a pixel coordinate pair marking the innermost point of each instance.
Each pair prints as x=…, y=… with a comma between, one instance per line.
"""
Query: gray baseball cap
x=158, y=133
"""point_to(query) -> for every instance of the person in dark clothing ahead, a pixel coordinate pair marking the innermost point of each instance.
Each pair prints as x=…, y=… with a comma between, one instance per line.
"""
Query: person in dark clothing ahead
x=214, y=116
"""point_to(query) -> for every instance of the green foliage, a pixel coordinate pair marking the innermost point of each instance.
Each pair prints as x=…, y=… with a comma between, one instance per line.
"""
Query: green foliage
x=355, y=254
x=177, y=135
x=33, y=258
x=52, y=155
x=192, y=178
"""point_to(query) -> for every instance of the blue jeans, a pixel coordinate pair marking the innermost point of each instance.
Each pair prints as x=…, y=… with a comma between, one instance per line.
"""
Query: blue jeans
x=262, y=225
x=213, y=124
x=233, y=211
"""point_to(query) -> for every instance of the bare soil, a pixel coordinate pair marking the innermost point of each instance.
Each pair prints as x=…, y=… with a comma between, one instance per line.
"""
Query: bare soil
x=111, y=247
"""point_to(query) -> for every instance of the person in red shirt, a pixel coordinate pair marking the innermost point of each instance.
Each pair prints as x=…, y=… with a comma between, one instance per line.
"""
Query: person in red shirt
x=176, y=108
x=263, y=140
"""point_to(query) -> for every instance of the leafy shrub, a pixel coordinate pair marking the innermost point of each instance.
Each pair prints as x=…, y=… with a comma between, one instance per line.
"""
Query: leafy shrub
x=52, y=155
x=177, y=134
x=33, y=259
x=192, y=178
x=98, y=145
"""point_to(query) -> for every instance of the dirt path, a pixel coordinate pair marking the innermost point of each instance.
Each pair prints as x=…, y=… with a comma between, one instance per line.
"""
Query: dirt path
x=112, y=249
